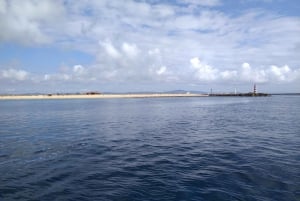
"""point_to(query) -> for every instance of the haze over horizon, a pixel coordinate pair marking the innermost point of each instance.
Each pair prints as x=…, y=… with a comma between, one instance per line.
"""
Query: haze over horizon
x=149, y=45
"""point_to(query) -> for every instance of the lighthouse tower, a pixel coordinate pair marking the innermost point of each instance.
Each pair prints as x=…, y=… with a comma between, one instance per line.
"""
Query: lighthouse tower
x=254, y=89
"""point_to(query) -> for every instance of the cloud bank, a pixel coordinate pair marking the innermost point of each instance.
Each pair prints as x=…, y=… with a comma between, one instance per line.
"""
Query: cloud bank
x=200, y=72
x=245, y=73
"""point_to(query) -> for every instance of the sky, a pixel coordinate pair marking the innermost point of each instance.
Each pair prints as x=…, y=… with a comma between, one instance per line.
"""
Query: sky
x=57, y=46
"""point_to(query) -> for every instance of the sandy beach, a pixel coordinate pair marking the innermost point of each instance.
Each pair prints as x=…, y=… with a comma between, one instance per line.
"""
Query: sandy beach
x=96, y=96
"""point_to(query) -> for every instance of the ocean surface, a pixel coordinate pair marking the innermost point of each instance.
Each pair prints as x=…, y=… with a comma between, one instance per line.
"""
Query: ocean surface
x=207, y=148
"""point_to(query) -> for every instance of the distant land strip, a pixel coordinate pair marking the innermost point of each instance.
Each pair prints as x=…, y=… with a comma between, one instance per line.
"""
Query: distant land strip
x=96, y=96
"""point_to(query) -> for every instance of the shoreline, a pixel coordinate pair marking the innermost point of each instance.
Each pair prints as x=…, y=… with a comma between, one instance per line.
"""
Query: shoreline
x=96, y=96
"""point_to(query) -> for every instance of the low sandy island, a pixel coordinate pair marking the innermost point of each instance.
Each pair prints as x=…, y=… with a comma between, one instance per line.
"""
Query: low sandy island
x=96, y=96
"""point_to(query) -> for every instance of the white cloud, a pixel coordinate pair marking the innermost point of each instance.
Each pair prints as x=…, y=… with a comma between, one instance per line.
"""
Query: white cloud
x=246, y=73
x=55, y=77
x=201, y=73
x=78, y=69
x=283, y=73
x=47, y=77
x=252, y=75
x=229, y=75
x=77, y=73
x=14, y=74
x=162, y=70
x=246, y=66
x=130, y=50
x=154, y=51
x=202, y=2
x=204, y=71
x=110, y=49
x=26, y=21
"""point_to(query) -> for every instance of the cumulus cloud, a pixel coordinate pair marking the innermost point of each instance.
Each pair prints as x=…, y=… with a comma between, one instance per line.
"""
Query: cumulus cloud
x=77, y=73
x=252, y=75
x=130, y=50
x=127, y=62
x=14, y=74
x=26, y=21
x=204, y=71
x=200, y=71
x=57, y=77
x=110, y=49
x=246, y=73
x=126, y=50
x=228, y=75
x=284, y=73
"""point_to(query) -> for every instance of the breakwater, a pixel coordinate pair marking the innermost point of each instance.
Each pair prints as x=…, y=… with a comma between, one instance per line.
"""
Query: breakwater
x=240, y=94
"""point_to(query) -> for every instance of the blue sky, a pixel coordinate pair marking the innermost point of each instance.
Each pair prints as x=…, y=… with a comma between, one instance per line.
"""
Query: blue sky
x=125, y=46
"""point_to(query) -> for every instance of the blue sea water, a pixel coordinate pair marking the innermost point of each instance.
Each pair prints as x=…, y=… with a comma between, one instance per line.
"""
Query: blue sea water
x=208, y=148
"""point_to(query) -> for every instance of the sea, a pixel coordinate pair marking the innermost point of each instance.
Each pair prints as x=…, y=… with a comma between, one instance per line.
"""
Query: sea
x=192, y=148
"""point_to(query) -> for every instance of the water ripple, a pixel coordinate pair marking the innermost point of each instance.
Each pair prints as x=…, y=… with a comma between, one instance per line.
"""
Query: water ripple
x=154, y=149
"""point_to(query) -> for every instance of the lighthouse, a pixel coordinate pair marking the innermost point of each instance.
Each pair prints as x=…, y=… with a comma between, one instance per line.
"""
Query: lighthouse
x=254, y=90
